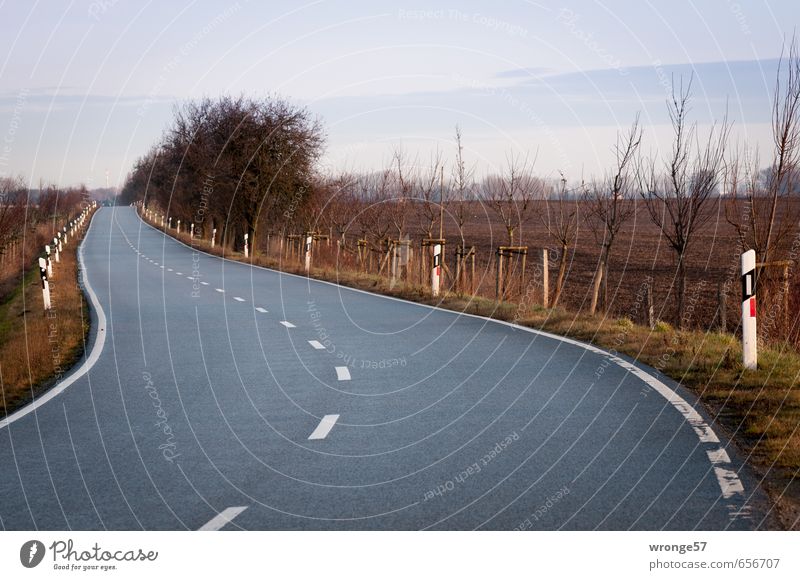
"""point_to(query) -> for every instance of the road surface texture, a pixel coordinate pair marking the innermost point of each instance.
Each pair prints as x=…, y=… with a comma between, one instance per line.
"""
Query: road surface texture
x=215, y=395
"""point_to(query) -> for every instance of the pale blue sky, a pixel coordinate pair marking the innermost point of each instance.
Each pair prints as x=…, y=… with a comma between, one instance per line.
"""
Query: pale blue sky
x=87, y=87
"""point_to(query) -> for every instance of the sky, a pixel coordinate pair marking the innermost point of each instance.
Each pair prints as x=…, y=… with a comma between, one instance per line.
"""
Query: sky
x=87, y=87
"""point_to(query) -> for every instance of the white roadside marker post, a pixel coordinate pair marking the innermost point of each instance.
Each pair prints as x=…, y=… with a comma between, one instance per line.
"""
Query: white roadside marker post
x=749, y=337
x=60, y=245
x=213, y=237
x=66, y=237
x=49, y=262
x=191, y=232
x=309, y=241
x=436, y=273
x=55, y=247
x=170, y=223
x=179, y=226
x=246, y=247
x=45, y=284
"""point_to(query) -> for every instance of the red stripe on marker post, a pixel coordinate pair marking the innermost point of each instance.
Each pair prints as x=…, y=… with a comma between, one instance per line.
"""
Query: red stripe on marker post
x=753, y=307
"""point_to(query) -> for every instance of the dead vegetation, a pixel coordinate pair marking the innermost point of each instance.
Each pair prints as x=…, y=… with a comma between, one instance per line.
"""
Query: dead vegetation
x=38, y=347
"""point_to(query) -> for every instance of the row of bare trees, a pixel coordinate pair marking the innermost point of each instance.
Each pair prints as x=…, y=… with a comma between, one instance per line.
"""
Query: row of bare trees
x=260, y=159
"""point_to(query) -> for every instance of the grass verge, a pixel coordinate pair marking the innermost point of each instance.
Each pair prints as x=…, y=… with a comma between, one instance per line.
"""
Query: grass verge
x=38, y=347
x=758, y=410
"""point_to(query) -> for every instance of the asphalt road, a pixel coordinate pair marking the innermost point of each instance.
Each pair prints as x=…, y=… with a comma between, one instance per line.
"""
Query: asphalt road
x=207, y=404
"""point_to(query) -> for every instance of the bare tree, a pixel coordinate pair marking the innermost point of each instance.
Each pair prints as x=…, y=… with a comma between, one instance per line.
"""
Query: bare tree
x=376, y=194
x=610, y=203
x=341, y=201
x=429, y=195
x=677, y=200
x=511, y=194
x=561, y=221
x=758, y=197
x=13, y=200
x=463, y=187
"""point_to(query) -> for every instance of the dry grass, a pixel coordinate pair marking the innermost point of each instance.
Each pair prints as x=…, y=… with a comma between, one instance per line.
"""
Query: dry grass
x=37, y=348
x=759, y=410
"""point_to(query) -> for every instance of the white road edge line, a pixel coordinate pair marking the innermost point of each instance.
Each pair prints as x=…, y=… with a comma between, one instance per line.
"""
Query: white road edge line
x=342, y=373
x=728, y=480
x=94, y=355
x=288, y=324
x=222, y=519
x=703, y=431
x=316, y=344
x=324, y=427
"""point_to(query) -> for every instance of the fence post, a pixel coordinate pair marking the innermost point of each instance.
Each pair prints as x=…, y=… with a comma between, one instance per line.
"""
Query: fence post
x=309, y=242
x=498, y=285
x=545, y=279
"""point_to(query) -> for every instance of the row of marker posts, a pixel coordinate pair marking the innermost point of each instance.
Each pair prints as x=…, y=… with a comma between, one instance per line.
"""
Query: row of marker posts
x=749, y=330
x=54, y=253
x=157, y=217
x=163, y=220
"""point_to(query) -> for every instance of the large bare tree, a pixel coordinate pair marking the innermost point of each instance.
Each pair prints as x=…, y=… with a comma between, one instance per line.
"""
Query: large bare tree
x=610, y=203
x=760, y=202
x=678, y=197
x=462, y=190
x=429, y=195
x=561, y=221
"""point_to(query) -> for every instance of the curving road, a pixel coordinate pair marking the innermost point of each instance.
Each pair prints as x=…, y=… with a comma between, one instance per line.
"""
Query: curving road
x=223, y=396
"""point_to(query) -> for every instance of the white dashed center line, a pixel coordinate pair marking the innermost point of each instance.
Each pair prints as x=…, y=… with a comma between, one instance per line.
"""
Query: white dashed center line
x=316, y=344
x=238, y=299
x=324, y=427
x=222, y=519
x=343, y=373
x=262, y=310
x=287, y=324
x=220, y=290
